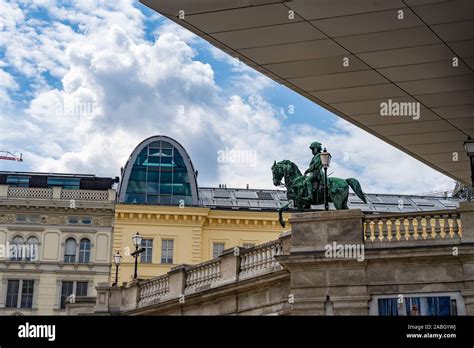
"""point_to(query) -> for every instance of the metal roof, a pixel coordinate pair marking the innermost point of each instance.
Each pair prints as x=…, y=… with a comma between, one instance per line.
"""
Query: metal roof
x=62, y=175
x=255, y=199
x=302, y=44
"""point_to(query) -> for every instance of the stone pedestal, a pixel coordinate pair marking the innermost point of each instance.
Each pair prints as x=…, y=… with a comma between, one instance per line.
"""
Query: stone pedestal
x=312, y=231
x=321, y=281
x=467, y=221
x=177, y=280
x=103, y=298
x=468, y=295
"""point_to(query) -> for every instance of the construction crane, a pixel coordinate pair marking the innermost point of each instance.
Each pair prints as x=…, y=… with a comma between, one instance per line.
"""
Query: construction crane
x=463, y=192
x=8, y=156
x=437, y=193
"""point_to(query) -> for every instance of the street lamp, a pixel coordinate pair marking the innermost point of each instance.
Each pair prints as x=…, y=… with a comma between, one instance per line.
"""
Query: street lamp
x=325, y=160
x=117, y=259
x=469, y=147
x=137, y=241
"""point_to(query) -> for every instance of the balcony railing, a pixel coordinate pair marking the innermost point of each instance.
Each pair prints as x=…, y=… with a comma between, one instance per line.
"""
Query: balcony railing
x=413, y=226
x=30, y=192
x=153, y=289
x=252, y=261
x=261, y=257
x=203, y=274
x=85, y=195
x=56, y=193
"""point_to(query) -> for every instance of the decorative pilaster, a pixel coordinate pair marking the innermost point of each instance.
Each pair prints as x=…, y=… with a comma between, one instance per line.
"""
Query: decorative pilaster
x=196, y=246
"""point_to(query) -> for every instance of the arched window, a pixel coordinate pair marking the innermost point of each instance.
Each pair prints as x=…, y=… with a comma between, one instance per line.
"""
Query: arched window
x=16, y=248
x=84, y=250
x=70, y=250
x=31, y=252
x=159, y=172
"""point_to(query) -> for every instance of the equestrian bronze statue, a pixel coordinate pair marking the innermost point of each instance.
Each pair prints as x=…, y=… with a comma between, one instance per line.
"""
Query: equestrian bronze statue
x=305, y=190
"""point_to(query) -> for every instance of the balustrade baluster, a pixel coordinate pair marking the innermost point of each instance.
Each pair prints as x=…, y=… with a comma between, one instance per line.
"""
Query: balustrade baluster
x=380, y=226
x=424, y=223
x=398, y=232
x=372, y=230
x=451, y=225
x=388, y=222
x=268, y=256
x=433, y=227
x=458, y=222
x=441, y=220
x=415, y=228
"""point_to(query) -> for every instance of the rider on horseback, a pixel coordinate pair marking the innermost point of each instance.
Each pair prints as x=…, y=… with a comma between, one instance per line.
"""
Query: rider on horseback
x=315, y=171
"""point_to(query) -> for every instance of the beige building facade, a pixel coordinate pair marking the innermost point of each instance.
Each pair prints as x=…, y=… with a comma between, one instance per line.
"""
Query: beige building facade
x=54, y=241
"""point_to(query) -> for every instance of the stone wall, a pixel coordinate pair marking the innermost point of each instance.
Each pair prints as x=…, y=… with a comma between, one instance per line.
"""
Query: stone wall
x=51, y=216
x=396, y=255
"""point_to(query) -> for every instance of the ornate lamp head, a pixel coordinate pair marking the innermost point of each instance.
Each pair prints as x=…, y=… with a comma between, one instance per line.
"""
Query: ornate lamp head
x=117, y=258
x=137, y=240
x=325, y=158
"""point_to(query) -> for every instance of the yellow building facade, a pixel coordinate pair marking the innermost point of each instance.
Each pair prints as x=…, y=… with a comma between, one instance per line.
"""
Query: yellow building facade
x=180, y=222
x=197, y=235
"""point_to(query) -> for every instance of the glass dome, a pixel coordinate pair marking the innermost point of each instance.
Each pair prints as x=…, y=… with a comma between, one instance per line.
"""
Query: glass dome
x=159, y=172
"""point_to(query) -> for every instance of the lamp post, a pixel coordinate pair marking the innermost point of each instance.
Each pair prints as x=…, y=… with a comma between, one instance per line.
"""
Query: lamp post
x=137, y=241
x=325, y=160
x=117, y=259
x=469, y=147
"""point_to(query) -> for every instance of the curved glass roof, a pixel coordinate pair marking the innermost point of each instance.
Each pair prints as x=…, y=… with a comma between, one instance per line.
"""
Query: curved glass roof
x=159, y=172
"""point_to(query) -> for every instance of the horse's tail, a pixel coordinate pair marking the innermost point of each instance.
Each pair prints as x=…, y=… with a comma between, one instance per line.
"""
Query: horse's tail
x=354, y=184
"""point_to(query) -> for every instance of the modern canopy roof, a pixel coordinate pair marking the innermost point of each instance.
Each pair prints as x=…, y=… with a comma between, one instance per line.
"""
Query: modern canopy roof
x=424, y=54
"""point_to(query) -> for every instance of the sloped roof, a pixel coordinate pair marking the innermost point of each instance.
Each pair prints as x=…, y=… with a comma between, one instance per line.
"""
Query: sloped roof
x=255, y=199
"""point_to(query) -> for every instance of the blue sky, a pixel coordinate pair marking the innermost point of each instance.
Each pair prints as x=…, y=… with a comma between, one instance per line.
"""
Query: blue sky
x=82, y=83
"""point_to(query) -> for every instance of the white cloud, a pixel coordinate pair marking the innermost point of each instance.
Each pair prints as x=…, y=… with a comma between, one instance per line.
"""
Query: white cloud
x=7, y=86
x=244, y=78
x=118, y=89
x=168, y=27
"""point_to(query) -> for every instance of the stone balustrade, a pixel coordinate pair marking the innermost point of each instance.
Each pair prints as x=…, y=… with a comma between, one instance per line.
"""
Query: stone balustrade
x=412, y=226
x=203, y=274
x=261, y=257
x=153, y=289
x=233, y=265
x=295, y=274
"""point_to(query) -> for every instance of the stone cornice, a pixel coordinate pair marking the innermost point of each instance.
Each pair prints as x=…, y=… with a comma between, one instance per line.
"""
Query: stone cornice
x=25, y=228
x=161, y=215
x=55, y=204
x=35, y=209
x=46, y=266
x=78, y=229
x=159, y=219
